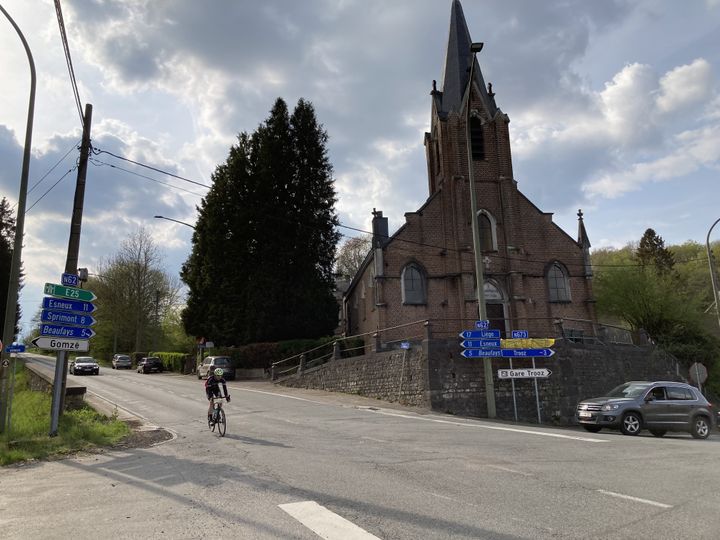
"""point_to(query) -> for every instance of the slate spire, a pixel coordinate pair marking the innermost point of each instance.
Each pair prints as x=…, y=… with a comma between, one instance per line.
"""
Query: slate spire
x=457, y=67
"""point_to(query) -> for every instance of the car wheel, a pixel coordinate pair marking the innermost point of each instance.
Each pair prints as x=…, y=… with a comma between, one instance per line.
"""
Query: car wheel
x=593, y=429
x=700, y=427
x=198, y=374
x=631, y=423
x=658, y=432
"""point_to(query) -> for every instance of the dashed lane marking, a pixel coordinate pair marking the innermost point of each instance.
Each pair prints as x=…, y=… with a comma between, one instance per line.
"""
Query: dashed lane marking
x=636, y=499
x=325, y=523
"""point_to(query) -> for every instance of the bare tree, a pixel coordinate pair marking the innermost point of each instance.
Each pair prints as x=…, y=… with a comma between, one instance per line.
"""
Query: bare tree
x=134, y=293
x=352, y=254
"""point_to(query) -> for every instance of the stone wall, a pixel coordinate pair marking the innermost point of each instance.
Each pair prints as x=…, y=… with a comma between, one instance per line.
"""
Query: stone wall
x=438, y=377
x=40, y=379
x=457, y=384
x=396, y=376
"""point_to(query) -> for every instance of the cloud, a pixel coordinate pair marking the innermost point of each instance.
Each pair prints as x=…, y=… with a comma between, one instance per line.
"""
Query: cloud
x=686, y=85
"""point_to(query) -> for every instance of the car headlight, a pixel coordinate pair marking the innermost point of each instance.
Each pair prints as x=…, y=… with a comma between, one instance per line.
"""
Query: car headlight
x=610, y=407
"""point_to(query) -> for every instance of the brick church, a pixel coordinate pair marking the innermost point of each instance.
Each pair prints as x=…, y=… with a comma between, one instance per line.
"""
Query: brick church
x=536, y=276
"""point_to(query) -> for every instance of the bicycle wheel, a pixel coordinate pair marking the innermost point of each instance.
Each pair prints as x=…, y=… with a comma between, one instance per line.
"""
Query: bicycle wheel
x=221, y=423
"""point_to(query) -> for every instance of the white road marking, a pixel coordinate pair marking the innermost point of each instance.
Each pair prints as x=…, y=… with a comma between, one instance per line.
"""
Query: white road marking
x=496, y=428
x=325, y=523
x=636, y=499
x=279, y=395
x=374, y=439
x=507, y=469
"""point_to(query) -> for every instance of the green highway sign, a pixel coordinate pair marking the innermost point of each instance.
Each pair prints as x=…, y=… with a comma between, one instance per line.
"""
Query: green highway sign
x=69, y=292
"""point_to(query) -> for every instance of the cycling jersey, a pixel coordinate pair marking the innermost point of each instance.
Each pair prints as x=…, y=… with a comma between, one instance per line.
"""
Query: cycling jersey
x=212, y=387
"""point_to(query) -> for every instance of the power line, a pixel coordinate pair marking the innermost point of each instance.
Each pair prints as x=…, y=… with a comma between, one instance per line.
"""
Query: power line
x=97, y=151
x=99, y=163
x=68, y=60
x=50, y=189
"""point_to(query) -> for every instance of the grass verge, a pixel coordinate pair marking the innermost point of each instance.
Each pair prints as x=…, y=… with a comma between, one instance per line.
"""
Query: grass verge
x=28, y=438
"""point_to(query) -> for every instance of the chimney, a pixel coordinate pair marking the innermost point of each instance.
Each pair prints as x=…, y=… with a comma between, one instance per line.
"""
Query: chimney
x=379, y=229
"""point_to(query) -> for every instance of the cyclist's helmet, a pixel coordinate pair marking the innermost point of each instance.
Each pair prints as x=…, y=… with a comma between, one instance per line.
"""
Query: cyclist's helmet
x=218, y=372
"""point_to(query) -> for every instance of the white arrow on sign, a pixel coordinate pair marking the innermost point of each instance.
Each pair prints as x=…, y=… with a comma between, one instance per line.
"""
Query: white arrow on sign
x=61, y=344
x=527, y=373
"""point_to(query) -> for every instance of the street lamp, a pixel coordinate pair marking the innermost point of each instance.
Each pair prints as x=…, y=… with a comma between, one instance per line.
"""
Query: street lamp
x=479, y=277
x=175, y=220
x=713, y=270
x=13, y=286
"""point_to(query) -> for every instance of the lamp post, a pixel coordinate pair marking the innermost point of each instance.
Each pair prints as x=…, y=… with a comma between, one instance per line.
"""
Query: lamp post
x=479, y=277
x=713, y=270
x=13, y=286
x=175, y=220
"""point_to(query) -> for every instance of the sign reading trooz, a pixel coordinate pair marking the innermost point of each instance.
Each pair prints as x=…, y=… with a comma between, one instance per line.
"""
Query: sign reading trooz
x=69, y=292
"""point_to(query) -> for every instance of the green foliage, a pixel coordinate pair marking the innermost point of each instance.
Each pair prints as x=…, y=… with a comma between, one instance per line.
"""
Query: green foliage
x=666, y=292
x=173, y=361
x=261, y=264
x=7, y=239
x=78, y=429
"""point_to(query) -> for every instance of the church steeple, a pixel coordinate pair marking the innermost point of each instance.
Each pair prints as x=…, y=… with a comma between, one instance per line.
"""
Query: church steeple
x=457, y=67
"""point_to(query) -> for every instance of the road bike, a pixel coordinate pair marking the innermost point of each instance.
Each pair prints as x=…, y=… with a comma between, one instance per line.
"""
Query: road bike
x=217, y=419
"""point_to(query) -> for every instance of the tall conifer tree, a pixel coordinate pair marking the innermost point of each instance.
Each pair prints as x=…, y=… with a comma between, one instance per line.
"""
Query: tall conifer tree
x=7, y=240
x=261, y=265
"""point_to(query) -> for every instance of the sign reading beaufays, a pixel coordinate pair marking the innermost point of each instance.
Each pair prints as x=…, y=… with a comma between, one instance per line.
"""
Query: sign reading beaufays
x=71, y=306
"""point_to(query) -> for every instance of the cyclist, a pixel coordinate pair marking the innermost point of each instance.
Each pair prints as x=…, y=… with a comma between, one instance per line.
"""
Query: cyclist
x=212, y=389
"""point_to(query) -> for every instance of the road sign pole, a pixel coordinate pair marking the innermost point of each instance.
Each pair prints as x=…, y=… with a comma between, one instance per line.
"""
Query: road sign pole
x=512, y=381
x=537, y=395
x=57, y=390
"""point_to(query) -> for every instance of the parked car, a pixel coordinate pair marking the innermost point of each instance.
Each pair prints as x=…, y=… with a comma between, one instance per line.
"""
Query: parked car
x=84, y=364
x=150, y=364
x=120, y=361
x=659, y=407
x=213, y=362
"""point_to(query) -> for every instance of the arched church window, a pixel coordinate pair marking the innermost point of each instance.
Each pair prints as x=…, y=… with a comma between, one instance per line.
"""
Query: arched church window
x=413, y=285
x=477, y=142
x=488, y=233
x=558, y=285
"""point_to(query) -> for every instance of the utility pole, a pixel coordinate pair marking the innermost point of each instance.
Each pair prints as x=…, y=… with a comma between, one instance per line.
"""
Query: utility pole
x=7, y=370
x=713, y=271
x=479, y=277
x=157, y=319
x=71, y=266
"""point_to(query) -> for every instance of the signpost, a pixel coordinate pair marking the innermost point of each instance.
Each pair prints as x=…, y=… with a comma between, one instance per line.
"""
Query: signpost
x=69, y=292
x=69, y=280
x=484, y=342
x=73, y=332
x=61, y=344
x=524, y=373
x=506, y=353
x=64, y=317
x=67, y=305
x=14, y=348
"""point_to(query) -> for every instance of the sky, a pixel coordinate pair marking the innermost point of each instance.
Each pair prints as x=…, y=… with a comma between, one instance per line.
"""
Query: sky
x=614, y=109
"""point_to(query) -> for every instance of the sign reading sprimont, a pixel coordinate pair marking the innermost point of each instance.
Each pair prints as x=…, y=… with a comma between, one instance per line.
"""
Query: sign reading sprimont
x=69, y=292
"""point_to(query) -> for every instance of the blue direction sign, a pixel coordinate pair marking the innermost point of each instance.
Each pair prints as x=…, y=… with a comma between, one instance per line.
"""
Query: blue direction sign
x=479, y=334
x=66, y=331
x=480, y=343
x=520, y=334
x=506, y=353
x=69, y=280
x=67, y=305
x=15, y=348
x=514, y=353
x=63, y=317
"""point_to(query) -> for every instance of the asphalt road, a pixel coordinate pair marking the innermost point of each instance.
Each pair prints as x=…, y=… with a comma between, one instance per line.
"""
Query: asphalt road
x=298, y=461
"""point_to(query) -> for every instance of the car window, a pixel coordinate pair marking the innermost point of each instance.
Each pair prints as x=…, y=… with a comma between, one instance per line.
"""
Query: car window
x=123, y=357
x=679, y=393
x=222, y=362
x=629, y=390
x=84, y=359
x=657, y=393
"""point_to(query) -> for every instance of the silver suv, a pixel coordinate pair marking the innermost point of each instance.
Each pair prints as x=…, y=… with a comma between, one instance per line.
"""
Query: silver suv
x=659, y=407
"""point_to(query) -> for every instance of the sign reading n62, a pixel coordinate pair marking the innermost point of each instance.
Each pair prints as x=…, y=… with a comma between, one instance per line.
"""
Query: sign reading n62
x=69, y=292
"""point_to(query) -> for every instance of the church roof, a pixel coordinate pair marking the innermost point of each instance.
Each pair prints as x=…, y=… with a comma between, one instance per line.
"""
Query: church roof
x=457, y=67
